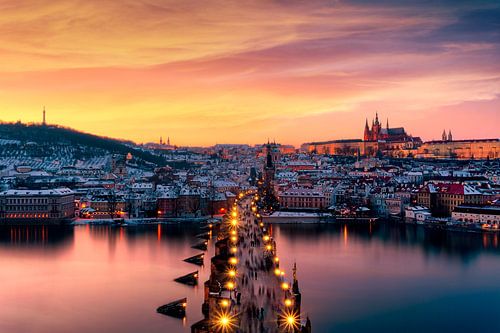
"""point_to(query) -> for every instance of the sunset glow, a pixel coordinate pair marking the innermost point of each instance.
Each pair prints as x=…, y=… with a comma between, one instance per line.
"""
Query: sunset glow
x=218, y=72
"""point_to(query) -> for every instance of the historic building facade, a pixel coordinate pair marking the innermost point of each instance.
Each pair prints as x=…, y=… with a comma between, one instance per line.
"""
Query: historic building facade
x=395, y=142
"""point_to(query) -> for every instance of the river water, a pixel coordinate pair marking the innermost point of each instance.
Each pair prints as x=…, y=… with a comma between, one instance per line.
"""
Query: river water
x=365, y=278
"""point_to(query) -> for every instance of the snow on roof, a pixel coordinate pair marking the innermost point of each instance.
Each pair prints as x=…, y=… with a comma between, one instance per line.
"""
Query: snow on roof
x=55, y=191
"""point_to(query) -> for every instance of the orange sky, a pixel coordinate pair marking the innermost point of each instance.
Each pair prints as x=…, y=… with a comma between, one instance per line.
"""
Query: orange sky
x=216, y=72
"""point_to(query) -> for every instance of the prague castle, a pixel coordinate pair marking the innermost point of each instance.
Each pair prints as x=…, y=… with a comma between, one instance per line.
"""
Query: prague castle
x=395, y=142
x=379, y=133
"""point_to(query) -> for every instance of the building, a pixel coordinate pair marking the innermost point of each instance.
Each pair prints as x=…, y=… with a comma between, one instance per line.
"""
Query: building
x=166, y=204
x=303, y=198
x=460, y=149
x=442, y=198
x=37, y=206
x=411, y=212
x=378, y=133
x=477, y=214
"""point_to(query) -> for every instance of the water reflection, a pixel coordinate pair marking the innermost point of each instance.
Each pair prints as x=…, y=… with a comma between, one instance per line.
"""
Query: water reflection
x=354, y=278
x=34, y=237
x=465, y=246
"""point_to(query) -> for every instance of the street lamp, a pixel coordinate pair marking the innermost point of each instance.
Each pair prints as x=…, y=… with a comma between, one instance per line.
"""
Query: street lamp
x=289, y=320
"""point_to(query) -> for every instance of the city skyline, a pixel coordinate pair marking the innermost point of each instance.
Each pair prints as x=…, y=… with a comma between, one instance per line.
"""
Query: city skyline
x=244, y=73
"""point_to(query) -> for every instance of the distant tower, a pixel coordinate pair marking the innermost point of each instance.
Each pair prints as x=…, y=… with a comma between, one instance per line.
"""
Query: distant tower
x=44, y=122
x=387, y=125
x=450, y=137
x=168, y=141
x=443, y=136
x=376, y=128
x=367, y=131
x=161, y=140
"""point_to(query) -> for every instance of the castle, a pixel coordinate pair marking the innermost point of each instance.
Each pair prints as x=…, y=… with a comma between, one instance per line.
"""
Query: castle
x=379, y=133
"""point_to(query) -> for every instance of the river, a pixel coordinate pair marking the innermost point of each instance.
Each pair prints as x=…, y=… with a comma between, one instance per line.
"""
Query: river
x=365, y=278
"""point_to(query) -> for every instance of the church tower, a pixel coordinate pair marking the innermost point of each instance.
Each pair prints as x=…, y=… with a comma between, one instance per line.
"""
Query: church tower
x=43, y=121
x=367, y=135
x=376, y=128
x=450, y=137
x=443, y=136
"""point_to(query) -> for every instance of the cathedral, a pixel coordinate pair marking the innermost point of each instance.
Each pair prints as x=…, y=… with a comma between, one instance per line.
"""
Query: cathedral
x=379, y=133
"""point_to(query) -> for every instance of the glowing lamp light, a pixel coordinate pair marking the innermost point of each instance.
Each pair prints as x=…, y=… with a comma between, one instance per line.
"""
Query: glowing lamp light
x=223, y=322
x=268, y=247
x=232, y=273
x=233, y=232
x=230, y=285
x=261, y=224
x=266, y=238
x=288, y=302
x=233, y=261
x=289, y=321
x=184, y=304
x=277, y=272
x=285, y=286
x=234, y=222
x=276, y=259
x=224, y=303
x=234, y=249
x=234, y=238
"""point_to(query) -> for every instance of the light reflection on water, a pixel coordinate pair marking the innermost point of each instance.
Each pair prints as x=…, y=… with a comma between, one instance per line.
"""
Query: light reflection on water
x=377, y=278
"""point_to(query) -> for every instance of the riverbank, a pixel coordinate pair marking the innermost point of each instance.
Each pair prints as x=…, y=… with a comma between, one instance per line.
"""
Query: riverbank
x=146, y=221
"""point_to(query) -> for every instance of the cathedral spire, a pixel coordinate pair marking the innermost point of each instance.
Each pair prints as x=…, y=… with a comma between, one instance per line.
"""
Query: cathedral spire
x=376, y=118
x=443, y=136
x=387, y=125
x=44, y=122
x=450, y=137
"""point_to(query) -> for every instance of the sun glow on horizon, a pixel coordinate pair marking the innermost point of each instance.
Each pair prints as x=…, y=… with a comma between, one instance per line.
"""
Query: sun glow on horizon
x=246, y=71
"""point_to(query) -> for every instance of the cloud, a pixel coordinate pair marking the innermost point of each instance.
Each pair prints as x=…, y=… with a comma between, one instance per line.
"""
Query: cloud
x=233, y=71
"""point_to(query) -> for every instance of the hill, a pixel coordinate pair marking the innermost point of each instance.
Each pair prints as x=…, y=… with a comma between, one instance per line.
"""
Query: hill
x=54, y=135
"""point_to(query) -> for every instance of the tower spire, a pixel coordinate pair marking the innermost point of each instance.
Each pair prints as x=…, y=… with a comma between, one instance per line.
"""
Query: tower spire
x=387, y=125
x=43, y=121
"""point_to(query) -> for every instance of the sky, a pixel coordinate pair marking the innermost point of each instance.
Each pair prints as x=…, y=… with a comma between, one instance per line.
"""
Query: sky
x=219, y=71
